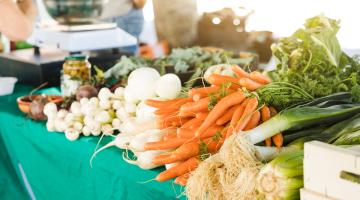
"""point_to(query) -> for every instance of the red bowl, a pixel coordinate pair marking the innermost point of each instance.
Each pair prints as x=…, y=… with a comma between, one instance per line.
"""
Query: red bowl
x=25, y=101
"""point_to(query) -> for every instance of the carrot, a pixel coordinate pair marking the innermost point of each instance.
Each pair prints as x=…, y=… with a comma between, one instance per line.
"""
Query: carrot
x=192, y=123
x=165, y=145
x=202, y=115
x=240, y=73
x=218, y=80
x=259, y=77
x=246, y=116
x=203, y=90
x=184, y=152
x=185, y=133
x=189, y=150
x=219, y=109
x=265, y=115
x=198, y=96
x=236, y=116
x=182, y=180
x=160, y=103
x=278, y=138
x=200, y=105
x=165, y=111
x=249, y=84
x=169, y=136
x=254, y=121
x=178, y=170
x=186, y=114
x=227, y=116
x=171, y=121
x=210, y=132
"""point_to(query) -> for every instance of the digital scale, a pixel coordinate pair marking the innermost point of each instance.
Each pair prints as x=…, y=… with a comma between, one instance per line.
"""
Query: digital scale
x=53, y=41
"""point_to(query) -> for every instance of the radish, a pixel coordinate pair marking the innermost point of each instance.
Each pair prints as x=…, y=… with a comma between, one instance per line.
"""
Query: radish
x=50, y=125
x=144, y=112
x=105, y=104
x=105, y=94
x=168, y=86
x=50, y=109
x=129, y=95
x=75, y=108
x=144, y=159
x=72, y=134
x=86, y=131
x=107, y=129
x=138, y=142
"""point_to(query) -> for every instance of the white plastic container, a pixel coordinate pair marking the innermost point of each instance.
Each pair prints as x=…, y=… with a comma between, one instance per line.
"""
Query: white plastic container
x=324, y=166
x=7, y=85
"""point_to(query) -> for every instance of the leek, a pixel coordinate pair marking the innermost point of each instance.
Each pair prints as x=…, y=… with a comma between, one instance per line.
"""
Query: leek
x=282, y=177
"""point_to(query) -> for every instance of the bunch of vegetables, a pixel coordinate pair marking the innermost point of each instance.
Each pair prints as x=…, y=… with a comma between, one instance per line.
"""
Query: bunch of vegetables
x=109, y=113
x=202, y=121
x=312, y=59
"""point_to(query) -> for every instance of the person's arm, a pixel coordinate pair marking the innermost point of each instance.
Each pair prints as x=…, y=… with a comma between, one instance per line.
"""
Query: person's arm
x=17, y=19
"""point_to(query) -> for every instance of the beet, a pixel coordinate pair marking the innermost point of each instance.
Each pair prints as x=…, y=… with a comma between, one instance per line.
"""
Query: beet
x=87, y=91
x=37, y=108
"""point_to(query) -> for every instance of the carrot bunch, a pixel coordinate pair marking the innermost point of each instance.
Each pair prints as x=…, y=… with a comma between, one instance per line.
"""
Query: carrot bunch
x=204, y=120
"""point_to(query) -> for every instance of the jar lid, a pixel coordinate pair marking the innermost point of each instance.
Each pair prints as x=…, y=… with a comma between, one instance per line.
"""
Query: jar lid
x=76, y=57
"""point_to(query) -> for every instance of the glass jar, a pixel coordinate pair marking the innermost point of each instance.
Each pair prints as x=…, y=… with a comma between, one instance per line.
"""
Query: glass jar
x=76, y=71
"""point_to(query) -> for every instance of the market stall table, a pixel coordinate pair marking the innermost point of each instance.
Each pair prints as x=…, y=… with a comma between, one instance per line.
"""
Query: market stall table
x=38, y=164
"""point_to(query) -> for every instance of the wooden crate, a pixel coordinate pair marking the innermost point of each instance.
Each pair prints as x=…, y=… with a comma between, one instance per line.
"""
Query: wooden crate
x=323, y=166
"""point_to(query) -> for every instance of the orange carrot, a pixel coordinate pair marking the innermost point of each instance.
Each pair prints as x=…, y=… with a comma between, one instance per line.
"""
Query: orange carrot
x=200, y=105
x=193, y=123
x=219, y=109
x=254, y=121
x=185, y=133
x=236, y=116
x=227, y=116
x=259, y=77
x=240, y=73
x=198, y=96
x=278, y=138
x=249, y=84
x=218, y=80
x=203, y=90
x=246, y=116
x=210, y=132
x=165, y=145
x=202, y=115
x=179, y=169
x=160, y=103
x=182, y=180
x=186, y=114
x=265, y=115
x=169, y=136
x=165, y=111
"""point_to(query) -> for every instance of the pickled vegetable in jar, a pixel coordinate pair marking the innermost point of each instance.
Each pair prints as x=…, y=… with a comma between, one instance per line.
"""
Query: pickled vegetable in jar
x=76, y=72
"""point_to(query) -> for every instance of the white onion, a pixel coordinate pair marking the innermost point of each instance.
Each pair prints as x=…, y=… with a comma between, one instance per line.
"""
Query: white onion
x=168, y=86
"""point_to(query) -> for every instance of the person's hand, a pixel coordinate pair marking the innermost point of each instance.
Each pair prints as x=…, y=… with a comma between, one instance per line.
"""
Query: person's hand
x=139, y=4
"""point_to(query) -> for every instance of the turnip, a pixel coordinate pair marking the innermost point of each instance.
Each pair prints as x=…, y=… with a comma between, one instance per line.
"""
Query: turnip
x=144, y=112
x=117, y=104
x=139, y=140
x=75, y=108
x=107, y=129
x=129, y=125
x=50, y=125
x=69, y=118
x=144, y=159
x=61, y=114
x=103, y=117
x=86, y=131
x=105, y=104
x=129, y=95
x=119, y=93
x=168, y=86
x=143, y=75
x=50, y=109
x=130, y=107
x=94, y=102
x=87, y=91
x=95, y=132
x=122, y=114
x=105, y=94
x=84, y=101
x=60, y=125
x=77, y=126
x=88, y=119
x=72, y=134
x=121, y=141
x=116, y=123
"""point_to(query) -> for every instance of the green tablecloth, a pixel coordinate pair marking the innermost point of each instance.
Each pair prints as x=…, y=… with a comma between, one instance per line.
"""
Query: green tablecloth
x=38, y=164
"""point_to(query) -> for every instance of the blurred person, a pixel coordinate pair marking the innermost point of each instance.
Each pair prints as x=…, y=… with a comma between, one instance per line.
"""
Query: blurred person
x=17, y=18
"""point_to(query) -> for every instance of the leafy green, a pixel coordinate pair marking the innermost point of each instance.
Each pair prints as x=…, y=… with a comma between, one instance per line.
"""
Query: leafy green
x=125, y=66
x=312, y=59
